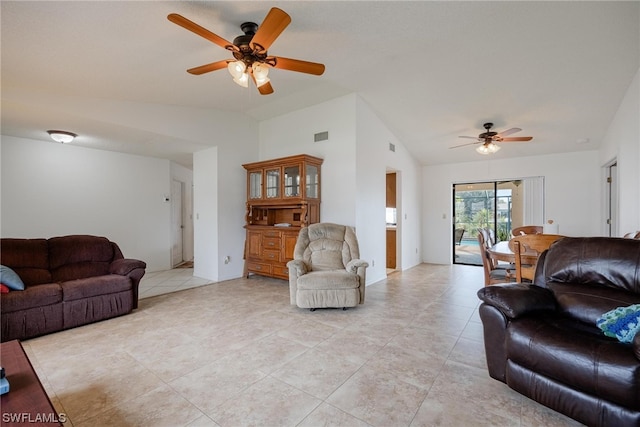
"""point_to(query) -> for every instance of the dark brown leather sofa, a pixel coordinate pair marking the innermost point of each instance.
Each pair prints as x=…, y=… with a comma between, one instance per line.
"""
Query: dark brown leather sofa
x=541, y=339
x=69, y=281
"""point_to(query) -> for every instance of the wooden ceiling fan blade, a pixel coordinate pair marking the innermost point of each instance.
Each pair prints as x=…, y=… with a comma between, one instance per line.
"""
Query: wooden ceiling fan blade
x=297, y=65
x=273, y=25
x=508, y=132
x=207, y=68
x=517, y=139
x=201, y=31
x=265, y=88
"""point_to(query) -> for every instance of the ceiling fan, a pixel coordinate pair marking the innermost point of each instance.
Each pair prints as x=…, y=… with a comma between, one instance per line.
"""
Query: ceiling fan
x=488, y=139
x=250, y=51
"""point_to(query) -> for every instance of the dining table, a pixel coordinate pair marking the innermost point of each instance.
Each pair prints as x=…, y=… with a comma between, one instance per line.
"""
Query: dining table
x=501, y=252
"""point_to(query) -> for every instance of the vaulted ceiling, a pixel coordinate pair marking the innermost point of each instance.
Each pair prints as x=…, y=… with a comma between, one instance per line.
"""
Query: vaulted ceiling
x=431, y=71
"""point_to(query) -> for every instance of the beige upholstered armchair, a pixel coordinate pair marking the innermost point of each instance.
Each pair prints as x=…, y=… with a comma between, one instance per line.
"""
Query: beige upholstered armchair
x=326, y=271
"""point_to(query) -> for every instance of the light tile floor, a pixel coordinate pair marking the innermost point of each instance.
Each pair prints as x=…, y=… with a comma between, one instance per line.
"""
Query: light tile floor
x=235, y=353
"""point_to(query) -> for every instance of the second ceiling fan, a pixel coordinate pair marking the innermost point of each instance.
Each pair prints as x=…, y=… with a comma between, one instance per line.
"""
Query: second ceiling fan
x=250, y=51
x=489, y=138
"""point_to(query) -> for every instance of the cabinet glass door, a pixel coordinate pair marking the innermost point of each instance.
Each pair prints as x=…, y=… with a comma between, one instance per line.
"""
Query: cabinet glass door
x=292, y=181
x=273, y=183
x=313, y=182
x=255, y=185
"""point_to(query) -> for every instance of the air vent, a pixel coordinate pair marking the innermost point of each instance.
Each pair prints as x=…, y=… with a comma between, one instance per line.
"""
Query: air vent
x=392, y=147
x=321, y=136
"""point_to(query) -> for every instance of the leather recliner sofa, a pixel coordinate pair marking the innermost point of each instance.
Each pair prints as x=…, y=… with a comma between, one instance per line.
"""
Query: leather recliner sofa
x=541, y=339
x=69, y=281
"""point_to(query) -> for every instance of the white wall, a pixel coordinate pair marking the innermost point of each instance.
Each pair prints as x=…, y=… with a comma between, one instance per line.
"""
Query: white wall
x=622, y=142
x=205, y=209
x=353, y=183
x=373, y=159
x=232, y=197
x=51, y=189
x=293, y=133
x=572, y=196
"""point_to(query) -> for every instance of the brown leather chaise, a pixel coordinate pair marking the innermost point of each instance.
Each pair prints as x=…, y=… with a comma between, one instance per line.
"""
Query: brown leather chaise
x=541, y=339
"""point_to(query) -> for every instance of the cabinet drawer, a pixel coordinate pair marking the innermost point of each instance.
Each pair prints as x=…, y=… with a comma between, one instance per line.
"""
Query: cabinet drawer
x=258, y=267
x=271, y=243
x=281, y=271
x=271, y=255
x=271, y=233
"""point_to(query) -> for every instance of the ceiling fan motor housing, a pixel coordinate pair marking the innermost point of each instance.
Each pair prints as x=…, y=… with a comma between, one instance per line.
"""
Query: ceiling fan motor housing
x=245, y=53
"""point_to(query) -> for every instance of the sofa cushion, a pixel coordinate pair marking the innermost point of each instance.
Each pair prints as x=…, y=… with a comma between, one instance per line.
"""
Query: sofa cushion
x=79, y=256
x=335, y=279
x=94, y=286
x=576, y=354
x=587, y=302
x=10, y=279
x=31, y=297
x=29, y=258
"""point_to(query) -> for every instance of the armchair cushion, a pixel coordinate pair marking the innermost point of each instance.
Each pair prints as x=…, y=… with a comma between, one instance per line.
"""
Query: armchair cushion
x=334, y=279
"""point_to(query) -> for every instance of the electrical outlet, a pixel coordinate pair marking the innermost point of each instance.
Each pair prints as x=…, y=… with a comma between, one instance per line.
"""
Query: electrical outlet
x=227, y=259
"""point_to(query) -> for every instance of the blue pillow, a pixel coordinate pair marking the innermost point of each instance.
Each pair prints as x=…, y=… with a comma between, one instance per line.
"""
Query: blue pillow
x=11, y=279
x=622, y=323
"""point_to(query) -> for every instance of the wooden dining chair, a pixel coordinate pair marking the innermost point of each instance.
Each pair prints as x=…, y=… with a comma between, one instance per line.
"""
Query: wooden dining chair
x=527, y=229
x=530, y=244
x=492, y=273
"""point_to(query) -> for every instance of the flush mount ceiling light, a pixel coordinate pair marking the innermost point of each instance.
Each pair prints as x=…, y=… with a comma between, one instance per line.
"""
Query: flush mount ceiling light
x=61, y=136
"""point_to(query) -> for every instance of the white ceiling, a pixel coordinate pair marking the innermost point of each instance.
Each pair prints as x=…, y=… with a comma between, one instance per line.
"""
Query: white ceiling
x=430, y=70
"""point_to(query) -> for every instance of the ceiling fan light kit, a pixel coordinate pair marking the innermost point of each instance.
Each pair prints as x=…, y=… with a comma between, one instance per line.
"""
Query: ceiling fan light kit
x=489, y=148
x=489, y=138
x=250, y=51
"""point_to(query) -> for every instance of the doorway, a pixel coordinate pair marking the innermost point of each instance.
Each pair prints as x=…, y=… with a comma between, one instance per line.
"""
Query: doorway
x=612, y=199
x=496, y=205
x=178, y=215
x=391, y=215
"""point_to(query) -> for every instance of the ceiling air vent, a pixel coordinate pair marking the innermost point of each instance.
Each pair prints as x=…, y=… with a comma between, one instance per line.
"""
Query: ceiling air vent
x=321, y=136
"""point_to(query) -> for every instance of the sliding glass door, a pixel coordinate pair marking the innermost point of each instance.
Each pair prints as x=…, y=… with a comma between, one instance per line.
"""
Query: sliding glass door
x=497, y=205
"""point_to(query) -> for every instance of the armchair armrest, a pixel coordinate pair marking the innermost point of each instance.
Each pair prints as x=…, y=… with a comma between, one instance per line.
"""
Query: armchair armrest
x=125, y=266
x=298, y=267
x=517, y=299
x=635, y=344
x=354, y=264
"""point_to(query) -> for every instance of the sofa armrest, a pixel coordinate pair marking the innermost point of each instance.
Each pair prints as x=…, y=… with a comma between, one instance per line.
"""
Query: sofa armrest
x=635, y=344
x=132, y=268
x=517, y=299
x=125, y=266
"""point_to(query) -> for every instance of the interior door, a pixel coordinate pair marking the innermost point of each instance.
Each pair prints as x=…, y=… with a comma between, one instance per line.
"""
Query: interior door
x=177, y=226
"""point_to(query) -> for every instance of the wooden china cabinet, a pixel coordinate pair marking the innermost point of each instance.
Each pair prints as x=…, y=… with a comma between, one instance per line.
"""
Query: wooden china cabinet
x=283, y=195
